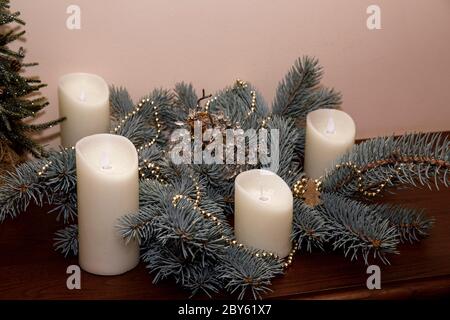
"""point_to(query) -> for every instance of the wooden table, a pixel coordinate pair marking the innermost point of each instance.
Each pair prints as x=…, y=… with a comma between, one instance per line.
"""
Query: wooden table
x=30, y=269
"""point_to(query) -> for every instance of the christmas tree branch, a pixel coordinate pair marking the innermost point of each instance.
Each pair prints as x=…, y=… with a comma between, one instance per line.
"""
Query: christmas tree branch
x=298, y=94
x=357, y=229
x=415, y=159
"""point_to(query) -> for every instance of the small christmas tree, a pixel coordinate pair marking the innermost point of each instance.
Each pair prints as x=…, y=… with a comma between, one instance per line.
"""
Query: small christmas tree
x=19, y=95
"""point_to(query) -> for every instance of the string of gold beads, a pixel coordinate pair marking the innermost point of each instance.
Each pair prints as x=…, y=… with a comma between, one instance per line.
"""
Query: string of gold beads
x=45, y=167
x=360, y=185
x=241, y=83
x=265, y=120
x=209, y=102
x=290, y=257
x=155, y=170
x=158, y=129
x=67, y=148
x=252, y=104
x=299, y=187
x=136, y=109
x=198, y=193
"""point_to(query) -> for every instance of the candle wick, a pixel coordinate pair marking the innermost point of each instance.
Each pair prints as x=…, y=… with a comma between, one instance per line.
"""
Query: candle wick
x=262, y=197
x=82, y=96
x=331, y=127
x=104, y=162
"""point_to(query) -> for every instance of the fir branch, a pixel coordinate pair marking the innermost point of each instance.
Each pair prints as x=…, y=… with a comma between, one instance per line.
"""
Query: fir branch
x=6, y=16
x=412, y=224
x=357, y=229
x=65, y=206
x=20, y=189
x=120, y=102
x=310, y=228
x=66, y=240
x=55, y=185
x=288, y=161
x=298, y=94
x=139, y=127
x=17, y=91
x=139, y=226
x=244, y=273
x=60, y=177
x=41, y=126
x=11, y=36
x=167, y=261
x=203, y=280
x=414, y=159
x=186, y=99
x=234, y=104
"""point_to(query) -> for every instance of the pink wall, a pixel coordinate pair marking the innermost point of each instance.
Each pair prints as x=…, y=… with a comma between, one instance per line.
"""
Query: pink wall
x=393, y=80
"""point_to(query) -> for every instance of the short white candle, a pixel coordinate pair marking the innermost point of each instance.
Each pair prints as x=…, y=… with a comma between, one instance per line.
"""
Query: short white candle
x=329, y=134
x=107, y=188
x=84, y=101
x=263, y=205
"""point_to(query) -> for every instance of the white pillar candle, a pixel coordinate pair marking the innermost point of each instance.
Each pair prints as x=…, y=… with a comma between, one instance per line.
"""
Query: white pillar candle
x=329, y=134
x=263, y=206
x=107, y=188
x=84, y=101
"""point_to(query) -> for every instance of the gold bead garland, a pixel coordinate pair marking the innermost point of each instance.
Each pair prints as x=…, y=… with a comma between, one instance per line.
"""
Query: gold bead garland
x=158, y=130
x=244, y=85
x=241, y=84
x=136, y=109
x=299, y=187
x=44, y=168
x=366, y=190
x=155, y=170
x=49, y=163
x=134, y=112
x=265, y=120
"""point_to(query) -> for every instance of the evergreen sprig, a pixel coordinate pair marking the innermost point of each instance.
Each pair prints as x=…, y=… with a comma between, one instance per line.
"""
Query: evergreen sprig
x=18, y=100
x=299, y=92
x=410, y=160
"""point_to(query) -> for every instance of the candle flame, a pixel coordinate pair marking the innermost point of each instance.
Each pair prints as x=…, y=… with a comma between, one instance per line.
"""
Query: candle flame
x=262, y=197
x=331, y=126
x=104, y=161
x=82, y=96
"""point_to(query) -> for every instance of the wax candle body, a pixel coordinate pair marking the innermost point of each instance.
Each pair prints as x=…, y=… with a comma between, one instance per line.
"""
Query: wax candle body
x=84, y=101
x=107, y=188
x=263, y=211
x=329, y=135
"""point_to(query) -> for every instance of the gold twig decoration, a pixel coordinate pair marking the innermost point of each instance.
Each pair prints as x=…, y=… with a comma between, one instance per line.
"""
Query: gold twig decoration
x=309, y=190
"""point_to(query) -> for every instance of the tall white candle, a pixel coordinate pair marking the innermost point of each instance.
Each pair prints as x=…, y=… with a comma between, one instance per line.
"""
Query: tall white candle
x=107, y=188
x=329, y=134
x=263, y=206
x=84, y=101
